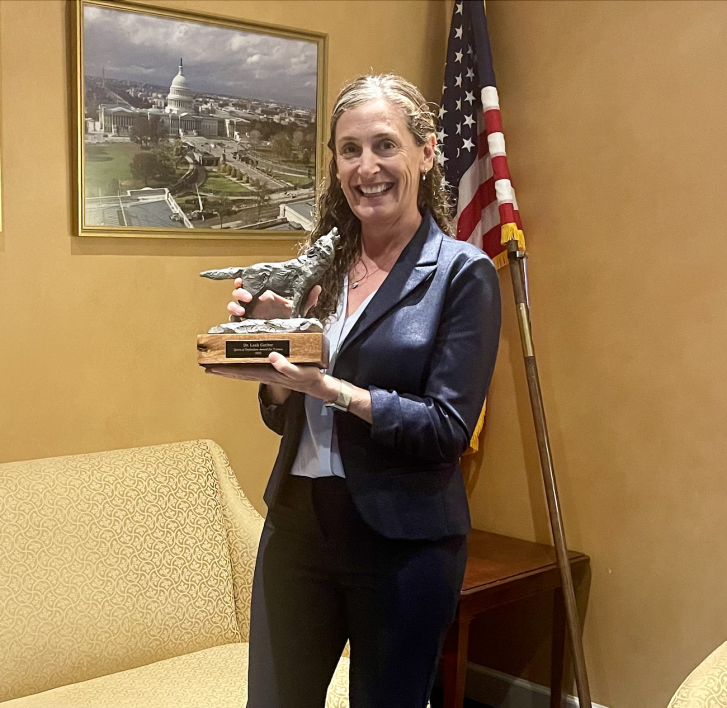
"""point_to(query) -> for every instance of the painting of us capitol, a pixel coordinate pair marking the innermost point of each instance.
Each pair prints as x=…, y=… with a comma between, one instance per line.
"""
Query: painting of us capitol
x=192, y=125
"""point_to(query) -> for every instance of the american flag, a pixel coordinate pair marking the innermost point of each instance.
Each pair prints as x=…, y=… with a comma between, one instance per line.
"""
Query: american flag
x=472, y=146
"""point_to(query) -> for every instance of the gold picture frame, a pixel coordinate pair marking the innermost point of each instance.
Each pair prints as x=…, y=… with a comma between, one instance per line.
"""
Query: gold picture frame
x=231, y=148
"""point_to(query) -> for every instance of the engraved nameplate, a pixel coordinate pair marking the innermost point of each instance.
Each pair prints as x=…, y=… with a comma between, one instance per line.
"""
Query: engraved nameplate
x=238, y=349
x=256, y=348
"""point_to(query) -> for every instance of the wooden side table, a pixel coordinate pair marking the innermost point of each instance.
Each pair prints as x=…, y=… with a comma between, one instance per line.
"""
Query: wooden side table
x=502, y=569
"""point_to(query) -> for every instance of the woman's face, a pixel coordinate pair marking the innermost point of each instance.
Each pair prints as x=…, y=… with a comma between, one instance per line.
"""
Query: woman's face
x=379, y=164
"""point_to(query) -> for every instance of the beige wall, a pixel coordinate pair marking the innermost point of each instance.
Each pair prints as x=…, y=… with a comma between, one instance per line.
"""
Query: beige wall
x=616, y=115
x=615, y=119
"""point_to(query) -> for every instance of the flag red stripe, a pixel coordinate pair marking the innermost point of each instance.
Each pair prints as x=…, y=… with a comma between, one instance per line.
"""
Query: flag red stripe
x=500, y=168
x=507, y=213
x=493, y=121
x=491, y=244
x=472, y=213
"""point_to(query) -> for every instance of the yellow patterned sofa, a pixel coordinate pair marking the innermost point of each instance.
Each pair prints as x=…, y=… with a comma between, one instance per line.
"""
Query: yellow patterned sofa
x=706, y=686
x=125, y=581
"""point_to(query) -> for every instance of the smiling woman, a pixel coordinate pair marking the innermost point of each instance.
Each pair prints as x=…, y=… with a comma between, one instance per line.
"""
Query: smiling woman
x=365, y=535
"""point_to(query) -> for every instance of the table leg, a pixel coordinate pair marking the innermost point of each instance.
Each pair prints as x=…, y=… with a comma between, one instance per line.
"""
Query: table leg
x=558, y=649
x=454, y=663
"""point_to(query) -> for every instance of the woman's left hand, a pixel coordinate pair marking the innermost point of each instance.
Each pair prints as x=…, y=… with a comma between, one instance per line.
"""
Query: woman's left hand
x=306, y=379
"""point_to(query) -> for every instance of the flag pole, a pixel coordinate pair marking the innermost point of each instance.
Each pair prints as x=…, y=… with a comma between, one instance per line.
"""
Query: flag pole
x=516, y=259
x=474, y=160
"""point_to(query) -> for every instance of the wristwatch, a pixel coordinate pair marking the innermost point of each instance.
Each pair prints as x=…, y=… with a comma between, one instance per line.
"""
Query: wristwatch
x=343, y=400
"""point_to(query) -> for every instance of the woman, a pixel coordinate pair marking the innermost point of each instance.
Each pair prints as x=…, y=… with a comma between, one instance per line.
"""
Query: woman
x=365, y=538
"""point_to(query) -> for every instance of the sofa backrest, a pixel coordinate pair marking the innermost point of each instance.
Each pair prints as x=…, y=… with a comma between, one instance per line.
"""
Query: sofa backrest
x=110, y=561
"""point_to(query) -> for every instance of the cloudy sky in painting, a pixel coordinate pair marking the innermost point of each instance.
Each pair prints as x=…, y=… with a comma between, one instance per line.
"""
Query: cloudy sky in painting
x=217, y=60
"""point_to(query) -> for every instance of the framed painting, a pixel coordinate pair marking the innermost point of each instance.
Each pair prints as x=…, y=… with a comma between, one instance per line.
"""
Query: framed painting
x=194, y=126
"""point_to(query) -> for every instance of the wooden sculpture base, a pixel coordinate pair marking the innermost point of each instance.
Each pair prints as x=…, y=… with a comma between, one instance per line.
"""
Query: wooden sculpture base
x=296, y=347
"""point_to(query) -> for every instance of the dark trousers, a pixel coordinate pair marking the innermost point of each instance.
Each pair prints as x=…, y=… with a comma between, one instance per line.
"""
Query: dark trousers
x=324, y=577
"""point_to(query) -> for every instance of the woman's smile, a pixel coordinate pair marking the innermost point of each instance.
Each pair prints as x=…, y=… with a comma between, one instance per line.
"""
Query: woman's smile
x=374, y=190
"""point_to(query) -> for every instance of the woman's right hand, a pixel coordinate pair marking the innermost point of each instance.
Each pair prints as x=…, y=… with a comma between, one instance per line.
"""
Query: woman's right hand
x=269, y=306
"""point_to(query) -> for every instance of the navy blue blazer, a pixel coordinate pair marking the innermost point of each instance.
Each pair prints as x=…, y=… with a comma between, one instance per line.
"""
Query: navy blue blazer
x=425, y=348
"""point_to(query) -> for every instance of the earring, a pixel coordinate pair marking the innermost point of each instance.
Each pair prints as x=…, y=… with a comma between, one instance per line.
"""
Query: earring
x=424, y=176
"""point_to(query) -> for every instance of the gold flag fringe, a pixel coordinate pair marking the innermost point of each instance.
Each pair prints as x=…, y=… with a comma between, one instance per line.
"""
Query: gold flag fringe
x=500, y=260
x=475, y=440
x=509, y=232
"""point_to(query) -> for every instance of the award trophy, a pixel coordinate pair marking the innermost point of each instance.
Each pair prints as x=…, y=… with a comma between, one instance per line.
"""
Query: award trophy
x=249, y=341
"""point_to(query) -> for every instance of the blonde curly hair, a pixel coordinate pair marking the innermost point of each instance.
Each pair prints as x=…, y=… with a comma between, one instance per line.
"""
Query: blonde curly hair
x=332, y=209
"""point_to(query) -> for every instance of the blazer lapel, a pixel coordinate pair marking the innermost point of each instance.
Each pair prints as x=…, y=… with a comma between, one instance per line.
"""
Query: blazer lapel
x=416, y=263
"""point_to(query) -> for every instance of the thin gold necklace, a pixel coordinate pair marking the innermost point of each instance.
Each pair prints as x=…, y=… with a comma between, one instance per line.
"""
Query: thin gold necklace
x=360, y=280
x=356, y=283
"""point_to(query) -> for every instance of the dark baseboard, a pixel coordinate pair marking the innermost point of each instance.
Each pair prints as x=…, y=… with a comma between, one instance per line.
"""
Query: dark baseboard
x=436, y=701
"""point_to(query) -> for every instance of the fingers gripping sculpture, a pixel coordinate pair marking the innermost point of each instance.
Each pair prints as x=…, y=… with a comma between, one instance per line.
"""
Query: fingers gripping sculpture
x=291, y=279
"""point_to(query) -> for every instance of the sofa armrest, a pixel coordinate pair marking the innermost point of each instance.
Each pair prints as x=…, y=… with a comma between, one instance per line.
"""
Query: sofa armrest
x=244, y=526
x=706, y=686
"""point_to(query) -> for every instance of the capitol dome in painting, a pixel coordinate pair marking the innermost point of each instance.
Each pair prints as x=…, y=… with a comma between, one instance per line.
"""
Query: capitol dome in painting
x=180, y=98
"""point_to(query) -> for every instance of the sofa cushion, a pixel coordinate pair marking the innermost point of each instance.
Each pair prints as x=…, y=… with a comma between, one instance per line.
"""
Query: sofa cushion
x=110, y=561
x=212, y=678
